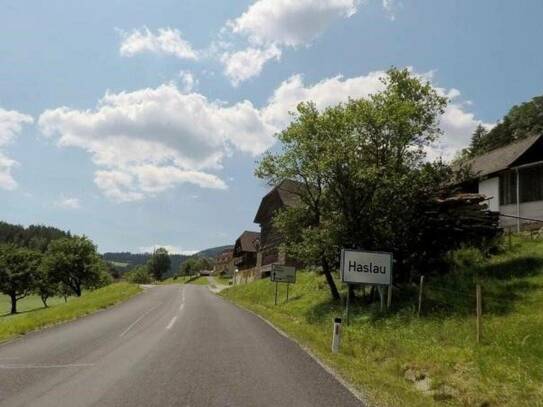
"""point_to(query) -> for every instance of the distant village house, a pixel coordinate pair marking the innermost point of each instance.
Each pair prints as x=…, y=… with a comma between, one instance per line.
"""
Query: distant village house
x=224, y=264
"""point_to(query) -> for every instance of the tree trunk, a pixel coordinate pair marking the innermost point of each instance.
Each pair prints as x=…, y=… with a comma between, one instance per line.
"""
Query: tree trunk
x=13, y=303
x=77, y=290
x=44, y=300
x=330, y=280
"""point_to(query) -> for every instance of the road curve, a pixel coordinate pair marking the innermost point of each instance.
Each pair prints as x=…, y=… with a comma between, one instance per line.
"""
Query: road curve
x=169, y=346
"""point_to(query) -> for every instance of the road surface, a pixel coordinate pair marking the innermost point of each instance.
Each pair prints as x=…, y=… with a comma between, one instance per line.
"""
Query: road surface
x=169, y=346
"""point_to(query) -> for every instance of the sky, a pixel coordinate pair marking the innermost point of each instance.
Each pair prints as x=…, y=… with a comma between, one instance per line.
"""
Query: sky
x=139, y=123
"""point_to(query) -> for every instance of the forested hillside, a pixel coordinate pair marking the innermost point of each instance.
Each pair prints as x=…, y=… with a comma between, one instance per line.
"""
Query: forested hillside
x=36, y=237
x=521, y=121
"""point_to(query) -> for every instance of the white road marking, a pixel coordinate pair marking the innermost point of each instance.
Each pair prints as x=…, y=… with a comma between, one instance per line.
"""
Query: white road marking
x=181, y=306
x=172, y=322
x=137, y=320
x=45, y=366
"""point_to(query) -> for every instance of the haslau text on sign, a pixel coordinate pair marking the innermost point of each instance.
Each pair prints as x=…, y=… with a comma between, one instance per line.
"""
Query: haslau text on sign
x=365, y=267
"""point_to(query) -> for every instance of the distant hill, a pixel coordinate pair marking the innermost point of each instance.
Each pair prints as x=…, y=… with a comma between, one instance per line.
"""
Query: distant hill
x=124, y=261
x=214, y=251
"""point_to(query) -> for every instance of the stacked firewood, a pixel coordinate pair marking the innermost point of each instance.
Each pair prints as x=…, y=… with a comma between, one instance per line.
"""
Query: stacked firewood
x=463, y=216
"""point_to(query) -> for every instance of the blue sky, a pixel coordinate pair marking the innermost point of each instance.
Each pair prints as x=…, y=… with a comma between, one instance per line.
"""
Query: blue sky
x=138, y=123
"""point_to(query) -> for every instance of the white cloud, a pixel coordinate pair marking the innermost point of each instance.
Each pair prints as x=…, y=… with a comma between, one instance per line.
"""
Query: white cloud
x=150, y=140
x=68, y=203
x=165, y=41
x=290, y=22
x=188, y=81
x=170, y=248
x=270, y=25
x=242, y=65
x=11, y=123
x=391, y=7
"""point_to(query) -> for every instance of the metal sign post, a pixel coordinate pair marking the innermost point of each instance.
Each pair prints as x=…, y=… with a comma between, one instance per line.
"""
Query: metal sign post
x=282, y=274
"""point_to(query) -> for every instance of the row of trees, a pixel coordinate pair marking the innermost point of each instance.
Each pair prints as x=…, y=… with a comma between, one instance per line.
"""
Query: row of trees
x=365, y=181
x=66, y=267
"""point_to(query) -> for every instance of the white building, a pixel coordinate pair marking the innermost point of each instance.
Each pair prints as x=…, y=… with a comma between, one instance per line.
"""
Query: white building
x=511, y=178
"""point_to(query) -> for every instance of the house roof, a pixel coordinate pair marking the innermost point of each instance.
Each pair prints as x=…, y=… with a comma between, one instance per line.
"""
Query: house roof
x=247, y=241
x=288, y=192
x=500, y=158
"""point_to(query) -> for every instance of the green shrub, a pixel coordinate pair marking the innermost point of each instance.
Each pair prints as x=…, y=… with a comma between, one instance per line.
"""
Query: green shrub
x=140, y=275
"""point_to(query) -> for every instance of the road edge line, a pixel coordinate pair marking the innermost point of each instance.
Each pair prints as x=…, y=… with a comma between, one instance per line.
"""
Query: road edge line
x=355, y=392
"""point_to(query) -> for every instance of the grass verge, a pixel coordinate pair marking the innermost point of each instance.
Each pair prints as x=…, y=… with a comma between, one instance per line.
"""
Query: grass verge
x=400, y=359
x=89, y=302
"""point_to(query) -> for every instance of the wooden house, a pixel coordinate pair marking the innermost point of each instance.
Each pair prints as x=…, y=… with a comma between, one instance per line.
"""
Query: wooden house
x=224, y=264
x=284, y=195
x=245, y=250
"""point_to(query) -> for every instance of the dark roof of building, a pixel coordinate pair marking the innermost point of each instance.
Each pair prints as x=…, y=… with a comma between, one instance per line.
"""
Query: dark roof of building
x=288, y=192
x=247, y=241
x=500, y=158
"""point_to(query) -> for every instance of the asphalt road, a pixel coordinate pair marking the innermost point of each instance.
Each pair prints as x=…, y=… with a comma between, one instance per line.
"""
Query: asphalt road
x=169, y=346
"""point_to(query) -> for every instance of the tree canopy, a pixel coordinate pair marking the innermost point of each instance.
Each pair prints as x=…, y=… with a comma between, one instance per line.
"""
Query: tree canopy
x=18, y=267
x=74, y=262
x=159, y=264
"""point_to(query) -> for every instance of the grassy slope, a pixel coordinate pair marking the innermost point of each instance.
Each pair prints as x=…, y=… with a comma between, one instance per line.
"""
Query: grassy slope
x=506, y=369
x=34, y=316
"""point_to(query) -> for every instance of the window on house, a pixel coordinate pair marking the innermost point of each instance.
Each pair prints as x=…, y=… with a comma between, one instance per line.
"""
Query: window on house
x=531, y=184
x=508, y=188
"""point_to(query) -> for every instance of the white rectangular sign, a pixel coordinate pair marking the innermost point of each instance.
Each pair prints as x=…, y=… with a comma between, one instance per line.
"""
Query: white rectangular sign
x=365, y=267
x=283, y=274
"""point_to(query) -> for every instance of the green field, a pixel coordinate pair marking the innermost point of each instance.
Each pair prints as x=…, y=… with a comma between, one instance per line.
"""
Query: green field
x=400, y=359
x=198, y=281
x=33, y=316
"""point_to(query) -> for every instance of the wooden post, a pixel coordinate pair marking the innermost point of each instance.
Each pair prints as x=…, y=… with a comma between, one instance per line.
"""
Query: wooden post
x=479, y=311
x=389, y=296
x=347, y=305
x=276, y=293
x=381, y=298
x=420, y=294
x=287, y=290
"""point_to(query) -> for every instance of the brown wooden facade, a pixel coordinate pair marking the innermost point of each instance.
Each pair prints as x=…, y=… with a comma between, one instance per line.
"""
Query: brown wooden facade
x=286, y=194
x=245, y=250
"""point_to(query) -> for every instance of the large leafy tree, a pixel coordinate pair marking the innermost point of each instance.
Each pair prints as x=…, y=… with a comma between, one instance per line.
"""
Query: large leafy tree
x=74, y=262
x=159, y=264
x=360, y=166
x=18, y=269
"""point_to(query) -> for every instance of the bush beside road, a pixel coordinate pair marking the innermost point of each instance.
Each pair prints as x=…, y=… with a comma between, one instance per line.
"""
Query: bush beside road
x=33, y=317
x=434, y=360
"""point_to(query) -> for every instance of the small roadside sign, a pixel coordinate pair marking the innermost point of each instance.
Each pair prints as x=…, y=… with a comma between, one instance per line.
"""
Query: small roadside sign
x=283, y=274
x=366, y=267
